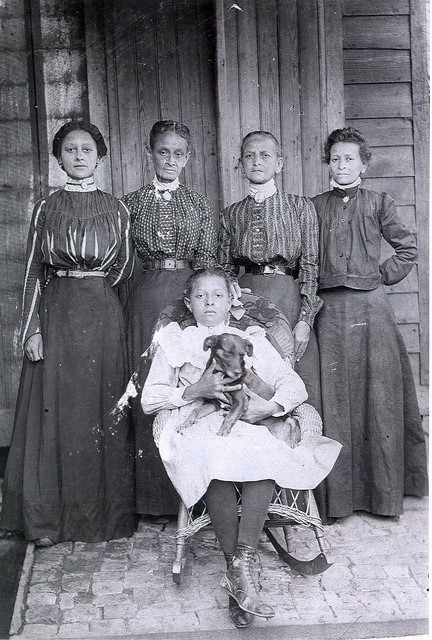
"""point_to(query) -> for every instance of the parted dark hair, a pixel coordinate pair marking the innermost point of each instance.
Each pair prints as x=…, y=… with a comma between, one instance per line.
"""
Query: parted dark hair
x=77, y=125
x=169, y=126
x=201, y=273
x=347, y=134
x=265, y=134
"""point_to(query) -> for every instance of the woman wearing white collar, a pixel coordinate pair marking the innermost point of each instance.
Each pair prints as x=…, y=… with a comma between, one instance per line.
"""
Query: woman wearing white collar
x=273, y=237
x=173, y=232
x=69, y=475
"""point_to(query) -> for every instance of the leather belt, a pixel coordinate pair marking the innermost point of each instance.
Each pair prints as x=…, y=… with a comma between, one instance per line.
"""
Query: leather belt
x=69, y=273
x=269, y=270
x=169, y=264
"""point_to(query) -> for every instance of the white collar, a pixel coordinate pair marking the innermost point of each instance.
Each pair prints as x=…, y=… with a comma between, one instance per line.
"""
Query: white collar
x=335, y=185
x=216, y=330
x=261, y=192
x=163, y=189
x=85, y=185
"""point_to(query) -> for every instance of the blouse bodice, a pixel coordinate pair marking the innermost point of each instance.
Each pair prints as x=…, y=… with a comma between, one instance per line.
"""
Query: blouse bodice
x=181, y=228
x=351, y=227
x=282, y=230
x=76, y=231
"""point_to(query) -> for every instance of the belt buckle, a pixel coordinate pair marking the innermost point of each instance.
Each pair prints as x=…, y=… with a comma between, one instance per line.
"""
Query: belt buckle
x=76, y=274
x=170, y=263
x=269, y=270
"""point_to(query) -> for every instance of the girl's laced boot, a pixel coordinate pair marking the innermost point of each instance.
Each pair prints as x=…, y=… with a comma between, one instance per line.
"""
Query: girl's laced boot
x=238, y=617
x=240, y=583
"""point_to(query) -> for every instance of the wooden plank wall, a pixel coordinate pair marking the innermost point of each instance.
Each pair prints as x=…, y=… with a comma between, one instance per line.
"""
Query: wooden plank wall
x=159, y=64
x=278, y=69
x=16, y=199
x=258, y=73
x=377, y=61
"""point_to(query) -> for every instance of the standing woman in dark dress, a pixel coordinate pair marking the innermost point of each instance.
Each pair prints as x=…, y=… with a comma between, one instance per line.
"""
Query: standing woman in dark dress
x=173, y=232
x=274, y=236
x=69, y=472
x=368, y=392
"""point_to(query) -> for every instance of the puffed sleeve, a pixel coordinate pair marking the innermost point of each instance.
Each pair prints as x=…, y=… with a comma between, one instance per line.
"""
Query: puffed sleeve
x=267, y=363
x=131, y=202
x=225, y=256
x=308, y=263
x=35, y=275
x=122, y=268
x=161, y=390
x=205, y=252
x=397, y=234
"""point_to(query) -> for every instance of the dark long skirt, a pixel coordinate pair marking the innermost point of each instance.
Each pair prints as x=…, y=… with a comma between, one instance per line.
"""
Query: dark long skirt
x=283, y=291
x=70, y=468
x=152, y=291
x=369, y=405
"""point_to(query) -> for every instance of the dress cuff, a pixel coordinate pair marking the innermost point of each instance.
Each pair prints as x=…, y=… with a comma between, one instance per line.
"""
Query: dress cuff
x=177, y=397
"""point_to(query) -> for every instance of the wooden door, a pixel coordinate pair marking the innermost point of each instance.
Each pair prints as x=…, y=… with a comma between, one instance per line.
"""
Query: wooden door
x=150, y=61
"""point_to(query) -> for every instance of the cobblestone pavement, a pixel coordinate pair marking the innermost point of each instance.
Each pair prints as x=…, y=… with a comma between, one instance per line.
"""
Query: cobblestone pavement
x=124, y=587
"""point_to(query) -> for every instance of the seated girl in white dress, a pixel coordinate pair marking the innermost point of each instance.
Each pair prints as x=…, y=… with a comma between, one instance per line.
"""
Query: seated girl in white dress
x=203, y=464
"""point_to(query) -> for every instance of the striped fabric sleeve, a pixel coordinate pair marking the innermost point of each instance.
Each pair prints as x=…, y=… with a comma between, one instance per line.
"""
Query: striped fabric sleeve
x=308, y=264
x=122, y=269
x=35, y=277
x=225, y=256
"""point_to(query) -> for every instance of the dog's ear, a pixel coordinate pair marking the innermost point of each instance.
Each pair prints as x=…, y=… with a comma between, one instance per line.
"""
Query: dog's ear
x=210, y=342
x=248, y=348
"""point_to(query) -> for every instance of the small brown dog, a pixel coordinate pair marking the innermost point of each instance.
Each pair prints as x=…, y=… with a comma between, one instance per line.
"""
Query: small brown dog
x=228, y=352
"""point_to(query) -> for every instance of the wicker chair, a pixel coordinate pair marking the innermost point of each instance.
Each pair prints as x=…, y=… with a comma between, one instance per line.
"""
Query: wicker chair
x=289, y=507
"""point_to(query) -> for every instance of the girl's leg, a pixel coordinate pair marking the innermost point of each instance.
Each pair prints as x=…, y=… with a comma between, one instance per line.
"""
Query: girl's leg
x=221, y=501
x=256, y=498
x=239, y=580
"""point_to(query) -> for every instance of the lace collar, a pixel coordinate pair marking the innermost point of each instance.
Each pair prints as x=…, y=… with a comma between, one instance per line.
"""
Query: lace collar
x=83, y=186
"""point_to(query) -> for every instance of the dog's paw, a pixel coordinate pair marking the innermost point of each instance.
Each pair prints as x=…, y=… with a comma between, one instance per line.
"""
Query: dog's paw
x=224, y=431
x=182, y=427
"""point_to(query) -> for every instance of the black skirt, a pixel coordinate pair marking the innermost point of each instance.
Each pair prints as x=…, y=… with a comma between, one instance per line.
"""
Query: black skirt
x=69, y=474
x=369, y=405
x=152, y=292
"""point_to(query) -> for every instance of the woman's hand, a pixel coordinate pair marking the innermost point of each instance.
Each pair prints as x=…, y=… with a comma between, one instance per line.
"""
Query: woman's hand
x=33, y=347
x=212, y=385
x=258, y=409
x=301, y=335
x=236, y=293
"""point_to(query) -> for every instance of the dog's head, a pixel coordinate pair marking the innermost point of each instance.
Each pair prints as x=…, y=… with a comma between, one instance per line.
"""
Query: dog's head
x=228, y=351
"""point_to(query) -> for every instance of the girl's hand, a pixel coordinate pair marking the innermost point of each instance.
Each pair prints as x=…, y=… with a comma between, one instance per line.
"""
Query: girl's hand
x=301, y=335
x=33, y=347
x=212, y=385
x=258, y=409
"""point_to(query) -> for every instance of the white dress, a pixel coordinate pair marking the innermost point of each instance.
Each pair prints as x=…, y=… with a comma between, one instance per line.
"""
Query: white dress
x=250, y=452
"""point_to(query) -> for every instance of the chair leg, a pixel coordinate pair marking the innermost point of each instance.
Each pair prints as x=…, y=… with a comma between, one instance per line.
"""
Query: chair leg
x=319, y=533
x=287, y=529
x=181, y=546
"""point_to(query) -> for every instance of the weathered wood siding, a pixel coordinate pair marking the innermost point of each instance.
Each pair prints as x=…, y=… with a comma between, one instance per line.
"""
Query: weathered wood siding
x=278, y=70
x=42, y=67
x=379, y=55
x=158, y=61
x=16, y=198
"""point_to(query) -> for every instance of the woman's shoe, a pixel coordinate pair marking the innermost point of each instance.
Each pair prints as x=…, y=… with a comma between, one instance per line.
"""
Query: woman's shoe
x=43, y=542
x=238, y=616
x=239, y=583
